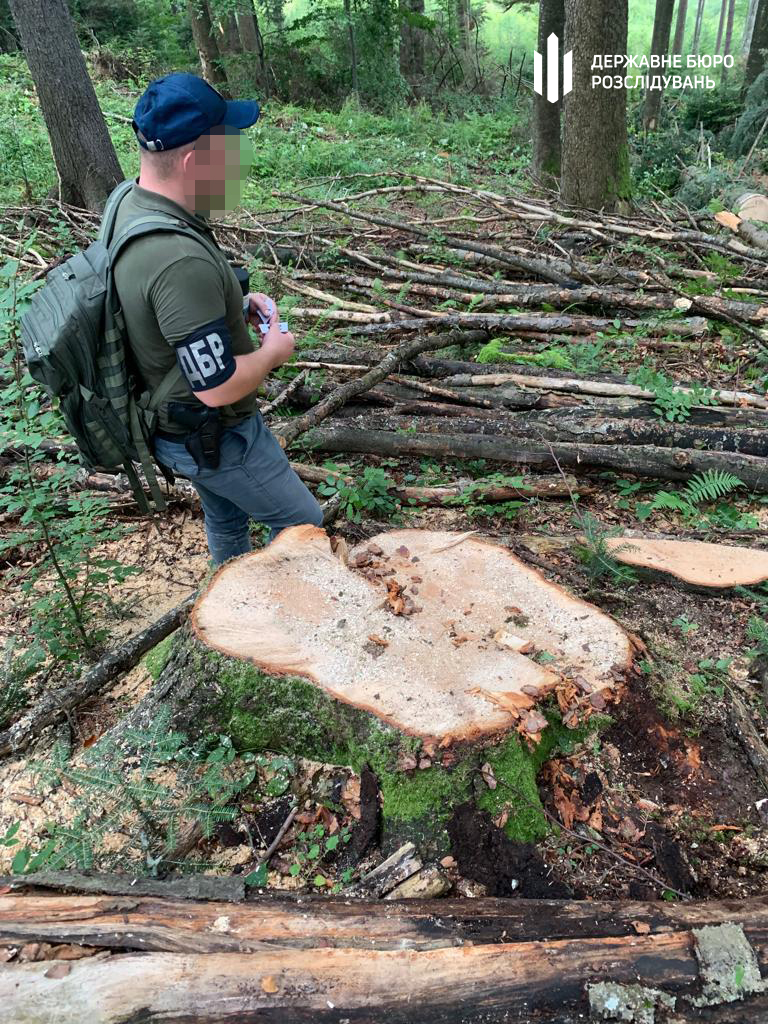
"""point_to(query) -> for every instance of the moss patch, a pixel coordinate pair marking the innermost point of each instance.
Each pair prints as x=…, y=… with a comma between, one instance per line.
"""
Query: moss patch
x=289, y=715
x=154, y=661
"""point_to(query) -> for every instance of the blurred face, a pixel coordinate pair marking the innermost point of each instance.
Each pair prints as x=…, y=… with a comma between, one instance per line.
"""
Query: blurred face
x=216, y=170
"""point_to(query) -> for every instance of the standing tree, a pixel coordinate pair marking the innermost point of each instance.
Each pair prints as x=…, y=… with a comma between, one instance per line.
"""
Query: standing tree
x=85, y=159
x=595, y=148
x=682, y=14
x=662, y=26
x=759, y=44
x=698, y=26
x=749, y=27
x=412, y=26
x=728, y=33
x=547, y=150
x=205, y=41
x=721, y=24
x=251, y=39
x=229, y=35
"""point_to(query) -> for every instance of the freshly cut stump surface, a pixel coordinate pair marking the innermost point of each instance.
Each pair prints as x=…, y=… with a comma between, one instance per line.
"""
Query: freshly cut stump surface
x=434, y=632
x=695, y=562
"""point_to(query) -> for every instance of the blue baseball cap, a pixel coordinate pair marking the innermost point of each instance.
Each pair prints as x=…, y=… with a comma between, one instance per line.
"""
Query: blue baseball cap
x=179, y=108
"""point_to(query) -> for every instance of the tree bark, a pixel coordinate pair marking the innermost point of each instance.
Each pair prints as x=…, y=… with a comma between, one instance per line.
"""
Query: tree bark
x=363, y=961
x=662, y=26
x=579, y=425
x=756, y=61
x=85, y=159
x=682, y=14
x=412, y=46
x=205, y=41
x=698, y=26
x=640, y=460
x=251, y=38
x=230, y=36
x=547, y=144
x=720, y=26
x=596, y=172
x=749, y=27
x=352, y=47
x=728, y=35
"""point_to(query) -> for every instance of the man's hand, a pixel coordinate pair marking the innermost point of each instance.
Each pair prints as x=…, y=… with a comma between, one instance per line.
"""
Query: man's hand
x=279, y=347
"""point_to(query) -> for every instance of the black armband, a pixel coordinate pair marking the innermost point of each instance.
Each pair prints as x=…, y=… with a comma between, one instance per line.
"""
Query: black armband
x=205, y=356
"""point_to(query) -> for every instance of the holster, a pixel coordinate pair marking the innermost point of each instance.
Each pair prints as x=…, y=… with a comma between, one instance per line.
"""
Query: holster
x=205, y=428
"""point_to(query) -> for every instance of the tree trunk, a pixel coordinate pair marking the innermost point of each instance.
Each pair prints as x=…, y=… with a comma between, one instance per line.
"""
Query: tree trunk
x=412, y=46
x=749, y=27
x=640, y=460
x=251, y=38
x=757, y=50
x=596, y=172
x=352, y=47
x=720, y=26
x=576, y=424
x=698, y=27
x=682, y=14
x=547, y=151
x=205, y=41
x=85, y=159
x=230, y=36
x=662, y=25
x=728, y=34
x=365, y=692
x=463, y=15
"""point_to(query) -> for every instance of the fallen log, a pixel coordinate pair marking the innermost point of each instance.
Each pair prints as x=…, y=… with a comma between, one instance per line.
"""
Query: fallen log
x=295, y=961
x=570, y=426
x=639, y=460
x=510, y=323
x=448, y=285
x=56, y=703
x=534, y=486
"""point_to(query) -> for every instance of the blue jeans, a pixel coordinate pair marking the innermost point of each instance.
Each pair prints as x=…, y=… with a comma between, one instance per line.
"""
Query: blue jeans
x=254, y=480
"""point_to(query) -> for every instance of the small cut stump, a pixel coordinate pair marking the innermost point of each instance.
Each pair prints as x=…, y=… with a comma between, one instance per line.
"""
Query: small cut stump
x=423, y=654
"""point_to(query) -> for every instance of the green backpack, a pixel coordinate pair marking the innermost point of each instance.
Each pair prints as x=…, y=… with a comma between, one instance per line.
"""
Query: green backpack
x=75, y=345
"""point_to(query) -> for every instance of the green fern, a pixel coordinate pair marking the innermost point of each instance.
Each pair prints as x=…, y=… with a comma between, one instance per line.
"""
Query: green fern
x=704, y=488
x=711, y=486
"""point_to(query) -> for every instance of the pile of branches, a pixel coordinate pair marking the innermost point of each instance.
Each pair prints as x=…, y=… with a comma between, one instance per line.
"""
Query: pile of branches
x=377, y=291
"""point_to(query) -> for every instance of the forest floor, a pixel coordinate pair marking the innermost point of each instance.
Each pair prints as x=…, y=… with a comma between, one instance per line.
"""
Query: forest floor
x=662, y=798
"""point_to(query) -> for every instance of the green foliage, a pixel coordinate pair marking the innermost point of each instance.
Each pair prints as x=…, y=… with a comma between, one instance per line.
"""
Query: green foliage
x=702, y=489
x=702, y=185
x=594, y=554
x=312, y=847
x=144, y=796
x=751, y=116
x=670, y=402
x=369, y=493
x=470, y=498
x=584, y=357
x=69, y=584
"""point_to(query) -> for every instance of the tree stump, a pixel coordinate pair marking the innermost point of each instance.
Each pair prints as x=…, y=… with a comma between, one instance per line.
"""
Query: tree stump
x=439, y=659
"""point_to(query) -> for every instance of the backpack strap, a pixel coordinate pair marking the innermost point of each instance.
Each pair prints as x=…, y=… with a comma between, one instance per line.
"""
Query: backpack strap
x=116, y=196
x=154, y=223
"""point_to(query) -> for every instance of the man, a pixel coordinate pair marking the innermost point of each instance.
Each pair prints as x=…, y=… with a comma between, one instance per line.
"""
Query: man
x=183, y=306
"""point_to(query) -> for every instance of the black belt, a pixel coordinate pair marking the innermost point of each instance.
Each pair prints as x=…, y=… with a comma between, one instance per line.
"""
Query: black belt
x=168, y=435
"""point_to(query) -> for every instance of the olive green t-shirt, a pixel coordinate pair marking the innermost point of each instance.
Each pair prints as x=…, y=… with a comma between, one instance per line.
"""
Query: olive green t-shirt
x=169, y=286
